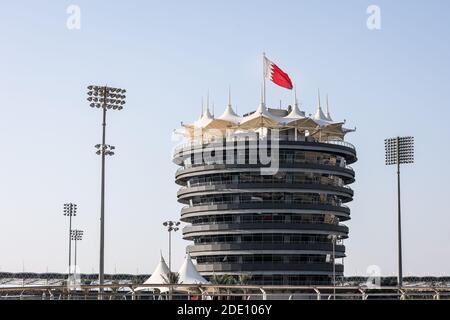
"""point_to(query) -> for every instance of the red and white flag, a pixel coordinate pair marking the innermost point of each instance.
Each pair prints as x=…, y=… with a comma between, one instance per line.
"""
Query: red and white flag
x=273, y=73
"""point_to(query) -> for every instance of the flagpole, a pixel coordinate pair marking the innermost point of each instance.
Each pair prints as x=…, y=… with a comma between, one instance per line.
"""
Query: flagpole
x=295, y=96
x=264, y=78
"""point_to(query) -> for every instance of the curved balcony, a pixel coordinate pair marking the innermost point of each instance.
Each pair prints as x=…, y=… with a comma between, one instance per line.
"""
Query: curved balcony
x=185, y=172
x=266, y=204
x=279, y=228
x=343, y=212
x=345, y=193
x=265, y=248
x=287, y=183
x=317, y=268
x=339, y=147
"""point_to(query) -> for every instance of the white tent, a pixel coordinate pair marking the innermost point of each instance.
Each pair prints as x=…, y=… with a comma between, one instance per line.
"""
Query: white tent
x=188, y=273
x=204, y=120
x=230, y=116
x=157, y=277
x=294, y=115
x=320, y=118
x=261, y=118
x=320, y=126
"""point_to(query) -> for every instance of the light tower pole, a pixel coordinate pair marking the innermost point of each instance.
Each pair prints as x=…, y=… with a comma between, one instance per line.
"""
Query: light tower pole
x=334, y=238
x=104, y=98
x=171, y=226
x=77, y=235
x=70, y=210
x=399, y=150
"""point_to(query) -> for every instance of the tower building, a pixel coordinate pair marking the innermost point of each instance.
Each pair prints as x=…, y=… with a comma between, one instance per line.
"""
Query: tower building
x=265, y=194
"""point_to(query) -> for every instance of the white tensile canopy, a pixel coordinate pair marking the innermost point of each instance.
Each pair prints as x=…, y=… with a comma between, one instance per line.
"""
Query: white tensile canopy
x=320, y=118
x=297, y=119
x=230, y=116
x=209, y=127
x=320, y=125
x=157, y=277
x=261, y=118
x=204, y=120
x=188, y=273
x=295, y=114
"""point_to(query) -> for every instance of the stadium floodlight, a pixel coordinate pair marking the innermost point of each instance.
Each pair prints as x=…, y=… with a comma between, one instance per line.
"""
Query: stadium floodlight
x=104, y=102
x=171, y=226
x=398, y=151
x=70, y=210
x=76, y=235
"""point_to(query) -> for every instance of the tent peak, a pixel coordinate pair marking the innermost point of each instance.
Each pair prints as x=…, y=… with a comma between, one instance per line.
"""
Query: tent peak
x=319, y=115
x=207, y=114
x=295, y=113
x=328, y=116
x=230, y=115
x=188, y=272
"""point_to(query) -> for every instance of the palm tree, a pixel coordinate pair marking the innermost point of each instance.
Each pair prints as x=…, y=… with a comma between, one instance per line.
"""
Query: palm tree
x=136, y=280
x=222, y=280
x=171, y=278
x=244, y=279
x=114, y=289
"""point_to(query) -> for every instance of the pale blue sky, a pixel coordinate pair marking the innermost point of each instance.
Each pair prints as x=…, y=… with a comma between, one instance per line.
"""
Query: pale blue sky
x=168, y=54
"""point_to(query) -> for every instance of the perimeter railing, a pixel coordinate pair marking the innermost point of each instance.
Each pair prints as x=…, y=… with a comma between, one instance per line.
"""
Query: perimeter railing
x=221, y=292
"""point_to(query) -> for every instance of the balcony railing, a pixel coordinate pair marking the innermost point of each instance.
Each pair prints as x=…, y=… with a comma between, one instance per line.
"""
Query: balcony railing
x=218, y=202
x=275, y=182
x=194, y=144
x=267, y=242
x=339, y=143
x=189, y=166
x=263, y=202
x=250, y=221
x=261, y=261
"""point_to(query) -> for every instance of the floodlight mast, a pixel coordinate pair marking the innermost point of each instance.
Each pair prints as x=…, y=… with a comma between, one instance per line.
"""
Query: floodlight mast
x=171, y=226
x=77, y=235
x=70, y=210
x=399, y=151
x=106, y=98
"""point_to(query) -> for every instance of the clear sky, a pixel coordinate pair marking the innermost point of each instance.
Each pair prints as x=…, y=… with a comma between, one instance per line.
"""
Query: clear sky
x=167, y=54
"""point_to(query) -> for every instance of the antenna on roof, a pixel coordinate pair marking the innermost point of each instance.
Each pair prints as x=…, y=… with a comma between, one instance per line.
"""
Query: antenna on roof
x=212, y=106
x=229, y=96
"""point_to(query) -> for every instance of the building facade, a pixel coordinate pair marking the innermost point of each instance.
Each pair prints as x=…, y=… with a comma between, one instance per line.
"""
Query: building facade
x=285, y=227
